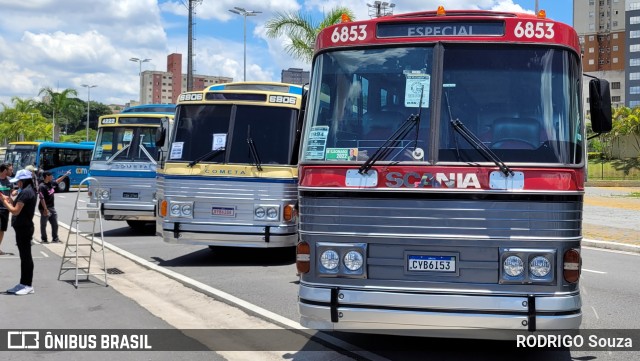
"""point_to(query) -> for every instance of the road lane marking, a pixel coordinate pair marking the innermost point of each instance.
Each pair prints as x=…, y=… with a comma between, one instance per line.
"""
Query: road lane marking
x=44, y=254
x=596, y=313
x=592, y=271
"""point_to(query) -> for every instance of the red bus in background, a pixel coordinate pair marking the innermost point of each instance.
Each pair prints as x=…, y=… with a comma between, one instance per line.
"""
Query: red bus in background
x=441, y=175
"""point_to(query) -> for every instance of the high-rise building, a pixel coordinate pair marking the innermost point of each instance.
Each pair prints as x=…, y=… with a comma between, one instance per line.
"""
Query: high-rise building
x=602, y=26
x=164, y=87
x=295, y=76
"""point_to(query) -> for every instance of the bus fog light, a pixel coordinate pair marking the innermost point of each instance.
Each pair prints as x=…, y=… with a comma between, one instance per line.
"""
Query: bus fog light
x=540, y=266
x=353, y=260
x=513, y=266
x=329, y=259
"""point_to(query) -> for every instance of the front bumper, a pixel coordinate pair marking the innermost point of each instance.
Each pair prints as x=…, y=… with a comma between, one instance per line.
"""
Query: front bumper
x=128, y=211
x=230, y=236
x=435, y=314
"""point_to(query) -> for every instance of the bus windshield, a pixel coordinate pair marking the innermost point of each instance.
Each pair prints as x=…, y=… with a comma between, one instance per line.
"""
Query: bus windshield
x=522, y=102
x=21, y=156
x=126, y=144
x=230, y=127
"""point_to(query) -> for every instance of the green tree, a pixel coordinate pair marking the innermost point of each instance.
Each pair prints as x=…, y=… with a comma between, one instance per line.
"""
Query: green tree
x=626, y=122
x=60, y=106
x=302, y=30
x=23, y=121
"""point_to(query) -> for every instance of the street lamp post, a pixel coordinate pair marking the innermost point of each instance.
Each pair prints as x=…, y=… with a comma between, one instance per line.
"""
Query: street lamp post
x=140, y=61
x=245, y=13
x=88, y=102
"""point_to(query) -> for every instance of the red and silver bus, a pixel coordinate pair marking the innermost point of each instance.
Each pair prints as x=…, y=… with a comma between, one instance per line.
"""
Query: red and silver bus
x=441, y=176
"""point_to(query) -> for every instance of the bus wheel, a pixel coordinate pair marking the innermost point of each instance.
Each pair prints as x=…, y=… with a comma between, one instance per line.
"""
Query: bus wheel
x=63, y=186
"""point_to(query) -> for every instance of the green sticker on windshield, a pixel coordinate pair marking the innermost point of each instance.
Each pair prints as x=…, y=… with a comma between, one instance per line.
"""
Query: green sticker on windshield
x=341, y=154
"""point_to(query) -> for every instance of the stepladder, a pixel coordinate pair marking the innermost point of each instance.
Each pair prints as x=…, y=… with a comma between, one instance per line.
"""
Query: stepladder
x=84, y=252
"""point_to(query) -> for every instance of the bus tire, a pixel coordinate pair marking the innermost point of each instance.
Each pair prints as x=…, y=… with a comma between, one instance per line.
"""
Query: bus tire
x=64, y=185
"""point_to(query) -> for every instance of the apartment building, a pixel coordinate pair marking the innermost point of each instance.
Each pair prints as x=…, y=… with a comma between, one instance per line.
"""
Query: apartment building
x=164, y=87
x=609, y=33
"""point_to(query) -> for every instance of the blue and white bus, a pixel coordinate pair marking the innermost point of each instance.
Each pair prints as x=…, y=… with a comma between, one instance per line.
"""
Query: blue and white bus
x=55, y=157
x=128, y=148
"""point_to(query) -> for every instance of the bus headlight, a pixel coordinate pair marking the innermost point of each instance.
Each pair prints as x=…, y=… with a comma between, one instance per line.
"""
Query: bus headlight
x=104, y=194
x=345, y=260
x=513, y=266
x=272, y=213
x=540, y=266
x=186, y=210
x=181, y=209
x=353, y=260
x=330, y=259
x=266, y=212
x=527, y=266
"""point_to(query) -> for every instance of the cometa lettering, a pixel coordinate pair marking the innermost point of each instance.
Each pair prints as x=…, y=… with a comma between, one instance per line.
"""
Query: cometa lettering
x=429, y=180
x=440, y=30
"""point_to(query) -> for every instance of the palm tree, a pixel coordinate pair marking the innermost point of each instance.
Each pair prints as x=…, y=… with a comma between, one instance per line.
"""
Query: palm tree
x=60, y=105
x=23, y=121
x=302, y=31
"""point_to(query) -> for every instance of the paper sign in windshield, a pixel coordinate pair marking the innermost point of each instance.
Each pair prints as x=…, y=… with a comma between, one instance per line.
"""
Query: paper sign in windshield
x=341, y=154
x=417, y=87
x=176, y=150
x=219, y=141
x=316, y=142
x=127, y=136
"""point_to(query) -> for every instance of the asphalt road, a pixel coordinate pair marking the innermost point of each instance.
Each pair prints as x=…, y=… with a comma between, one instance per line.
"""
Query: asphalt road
x=609, y=284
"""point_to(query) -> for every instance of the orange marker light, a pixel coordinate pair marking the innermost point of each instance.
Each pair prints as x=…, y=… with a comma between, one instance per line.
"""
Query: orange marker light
x=542, y=14
x=163, y=208
x=440, y=11
x=345, y=18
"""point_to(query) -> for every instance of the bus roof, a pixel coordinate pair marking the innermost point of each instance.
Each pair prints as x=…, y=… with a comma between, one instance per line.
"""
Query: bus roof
x=151, y=108
x=256, y=85
x=68, y=145
x=477, y=26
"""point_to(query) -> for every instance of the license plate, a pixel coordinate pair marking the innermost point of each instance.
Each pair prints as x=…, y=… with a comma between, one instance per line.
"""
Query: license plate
x=431, y=263
x=130, y=195
x=223, y=211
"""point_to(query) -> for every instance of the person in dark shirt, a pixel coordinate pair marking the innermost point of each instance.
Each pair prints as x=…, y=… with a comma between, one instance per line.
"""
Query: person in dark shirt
x=5, y=188
x=47, y=209
x=23, y=209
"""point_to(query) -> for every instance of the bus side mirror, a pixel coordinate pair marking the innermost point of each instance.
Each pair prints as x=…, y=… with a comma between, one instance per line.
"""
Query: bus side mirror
x=600, y=105
x=161, y=133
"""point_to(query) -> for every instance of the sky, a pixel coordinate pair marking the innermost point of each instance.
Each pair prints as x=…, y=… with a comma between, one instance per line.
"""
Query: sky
x=66, y=43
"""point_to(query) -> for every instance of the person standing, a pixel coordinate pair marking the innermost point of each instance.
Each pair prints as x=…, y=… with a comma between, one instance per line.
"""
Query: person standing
x=23, y=209
x=5, y=189
x=46, y=207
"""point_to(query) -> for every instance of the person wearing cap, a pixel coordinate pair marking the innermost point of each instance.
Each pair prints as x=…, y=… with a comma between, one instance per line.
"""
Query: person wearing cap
x=23, y=209
x=5, y=188
x=47, y=209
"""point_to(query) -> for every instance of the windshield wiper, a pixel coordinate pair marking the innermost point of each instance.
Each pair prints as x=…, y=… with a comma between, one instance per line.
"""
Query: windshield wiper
x=209, y=155
x=253, y=150
x=476, y=142
x=118, y=153
x=394, y=139
x=145, y=151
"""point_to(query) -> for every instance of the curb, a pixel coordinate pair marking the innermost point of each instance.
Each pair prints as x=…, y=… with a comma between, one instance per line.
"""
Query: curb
x=611, y=245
